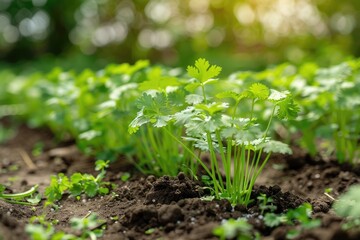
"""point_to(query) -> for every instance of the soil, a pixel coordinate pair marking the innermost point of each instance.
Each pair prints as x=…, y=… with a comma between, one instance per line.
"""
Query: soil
x=171, y=206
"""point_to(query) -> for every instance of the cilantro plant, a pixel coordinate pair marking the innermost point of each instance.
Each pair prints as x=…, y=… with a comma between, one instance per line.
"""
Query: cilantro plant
x=300, y=216
x=347, y=207
x=238, y=229
x=89, y=227
x=238, y=139
x=158, y=153
x=266, y=204
x=78, y=184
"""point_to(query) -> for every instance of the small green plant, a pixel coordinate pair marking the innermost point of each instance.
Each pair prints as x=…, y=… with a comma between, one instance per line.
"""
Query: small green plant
x=79, y=184
x=24, y=198
x=88, y=227
x=239, y=139
x=347, y=207
x=238, y=229
x=300, y=215
x=266, y=203
x=38, y=149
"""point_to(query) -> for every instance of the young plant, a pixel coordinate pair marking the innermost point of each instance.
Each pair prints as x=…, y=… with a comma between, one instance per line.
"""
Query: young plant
x=265, y=204
x=23, y=198
x=88, y=227
x=238, y=229
x=78, y=184
x=301, y=215
x=347, y=207
x=158, y=153
x=238, y=140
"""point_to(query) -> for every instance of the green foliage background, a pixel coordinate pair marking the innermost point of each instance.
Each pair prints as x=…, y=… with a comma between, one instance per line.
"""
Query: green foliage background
x=248, y=34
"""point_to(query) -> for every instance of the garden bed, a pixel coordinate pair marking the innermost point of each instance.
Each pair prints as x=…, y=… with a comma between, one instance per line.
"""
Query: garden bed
x=146, y=207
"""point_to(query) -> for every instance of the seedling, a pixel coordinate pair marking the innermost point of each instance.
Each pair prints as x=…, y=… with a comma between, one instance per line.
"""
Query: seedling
x=266, y=204
x=239, y=141
x=238, y=229
x=347, y=207
x=78, y=184
x=88, y=227
x=301, y=215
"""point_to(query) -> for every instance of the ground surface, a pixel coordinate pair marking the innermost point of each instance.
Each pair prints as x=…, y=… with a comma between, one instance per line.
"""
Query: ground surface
x=171, y=206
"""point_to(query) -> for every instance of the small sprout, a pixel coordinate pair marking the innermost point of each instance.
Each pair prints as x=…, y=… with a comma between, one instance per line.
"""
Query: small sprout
x=38, y=149
x=125, y=177
x=328, y=190
x=230, y=229
x=207, y=198
x=150, y=231
x=266, y=203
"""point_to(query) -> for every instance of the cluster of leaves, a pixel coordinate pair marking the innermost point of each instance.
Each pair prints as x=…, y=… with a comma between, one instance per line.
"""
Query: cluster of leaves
x=238, y=229
x=28, y=197
x=95, y=108
x=330, y=105
x=79, y=184
x=300, y=216
x=237, y=137
x=89, y=227
x=347, y=207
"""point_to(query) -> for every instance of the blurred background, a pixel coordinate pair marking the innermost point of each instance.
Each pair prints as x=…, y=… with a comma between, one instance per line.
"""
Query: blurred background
x=248, y=34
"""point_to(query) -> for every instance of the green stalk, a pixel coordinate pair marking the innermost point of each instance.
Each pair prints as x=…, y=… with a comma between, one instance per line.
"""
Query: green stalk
x=19, y=195
x=224, y=161
x=214, y=166
x=191, y=153
x=203, y=92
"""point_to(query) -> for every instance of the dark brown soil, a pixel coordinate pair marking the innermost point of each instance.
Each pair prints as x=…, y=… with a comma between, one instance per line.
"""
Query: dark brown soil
x=172, y=206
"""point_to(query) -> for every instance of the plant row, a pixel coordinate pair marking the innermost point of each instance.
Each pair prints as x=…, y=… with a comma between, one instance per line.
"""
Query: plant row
x=170, y=120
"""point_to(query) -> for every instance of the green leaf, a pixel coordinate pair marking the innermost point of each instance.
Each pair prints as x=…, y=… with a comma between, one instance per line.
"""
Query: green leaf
x=194, y=99
x=91, y=189
x=76, y=178
x=101, y=165
x=157, y=81
x=202, y=70
x=277, y=96
x=259, y=91
x=276, y=147
x=229, y=94
x=213, y=107
x=176, y=98
x=287, y=108
x=192, y=86
x=274, y=220
x=348, y=203
x=103, y=190
x=76, y=189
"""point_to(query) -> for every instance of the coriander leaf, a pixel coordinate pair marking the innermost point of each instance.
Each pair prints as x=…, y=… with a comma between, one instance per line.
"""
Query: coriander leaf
x=76, y=177
x=259, y=91
x=277, y=96
x=176, y=98
x=202, y=70
x=103, y=190
x=194, y=99
x=76, y=189
x=91, y=188
x=157, y=81
x=276, y=147
x=273, y=220
x=228, y=94
x=288, y=109
x=212, y=108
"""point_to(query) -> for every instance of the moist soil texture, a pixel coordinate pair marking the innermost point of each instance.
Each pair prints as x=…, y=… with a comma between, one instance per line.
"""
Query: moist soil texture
x=171, y=207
